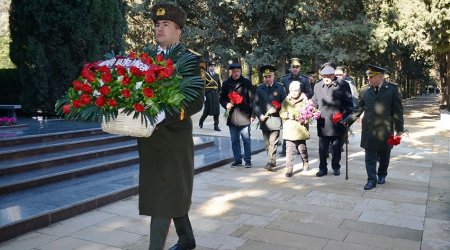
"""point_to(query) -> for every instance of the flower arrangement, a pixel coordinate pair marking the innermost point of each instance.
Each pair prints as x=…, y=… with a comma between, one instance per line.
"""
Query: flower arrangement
x=235, y=99
x=136, y=85
x=307, y=113
x=394, y=140
x=7, y=121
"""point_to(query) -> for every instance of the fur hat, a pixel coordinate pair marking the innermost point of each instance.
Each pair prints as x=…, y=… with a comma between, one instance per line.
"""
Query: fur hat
x=167, y=11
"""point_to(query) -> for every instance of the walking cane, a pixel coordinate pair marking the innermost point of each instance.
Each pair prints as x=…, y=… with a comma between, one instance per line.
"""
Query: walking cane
x=346, y=154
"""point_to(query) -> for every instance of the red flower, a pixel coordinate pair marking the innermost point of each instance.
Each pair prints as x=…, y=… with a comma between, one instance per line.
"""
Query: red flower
x=149, y=77
x=394, y=140
x=145, y=58
x=104, y=69
x=276, y=104
x=106, y=77
x=132, y=55
x=66, y=109
x=135, y=71
x=77, y=85
x=126, y=93
x=337, y=117
x=77, y=103
x=235, y=98
x=159, y=58
x=86, y=99
x=105, y=90
x=148, y=92
x=86, y=88
x=112, y=102
x=121, y=70
x=169, y=63
x=139, y=107
x=87, y=74
x=125, y=80
x=167, y=72
x=100, y=102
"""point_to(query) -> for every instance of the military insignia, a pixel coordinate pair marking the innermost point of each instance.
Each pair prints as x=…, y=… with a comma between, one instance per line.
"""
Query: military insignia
x=275, y=93
x=160, y=12
x=267, y=71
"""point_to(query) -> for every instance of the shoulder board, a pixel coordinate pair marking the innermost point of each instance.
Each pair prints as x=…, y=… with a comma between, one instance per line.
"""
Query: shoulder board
x=393, y=83
x=194, y=52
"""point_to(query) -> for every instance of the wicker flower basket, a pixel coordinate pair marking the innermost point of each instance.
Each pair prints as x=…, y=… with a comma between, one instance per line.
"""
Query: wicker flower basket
x=125, y=125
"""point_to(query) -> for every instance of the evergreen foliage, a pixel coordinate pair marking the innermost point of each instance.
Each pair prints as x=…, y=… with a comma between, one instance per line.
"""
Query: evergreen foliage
x=52, y=39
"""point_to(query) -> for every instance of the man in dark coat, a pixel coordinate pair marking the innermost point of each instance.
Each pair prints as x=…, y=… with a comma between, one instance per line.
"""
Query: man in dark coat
x=381, y=103
x=167, y=156
x=212, y=88
x=268, y=96
x=239, y=115
x=305, y=86
x=331, y=96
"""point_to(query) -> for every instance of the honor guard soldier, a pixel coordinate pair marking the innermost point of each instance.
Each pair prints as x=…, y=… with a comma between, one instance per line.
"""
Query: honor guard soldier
x=212, y=88
x=267, y=103
x=381, y=103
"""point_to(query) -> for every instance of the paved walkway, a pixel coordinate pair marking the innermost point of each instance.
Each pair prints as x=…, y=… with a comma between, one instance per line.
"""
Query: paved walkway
x=256, y=209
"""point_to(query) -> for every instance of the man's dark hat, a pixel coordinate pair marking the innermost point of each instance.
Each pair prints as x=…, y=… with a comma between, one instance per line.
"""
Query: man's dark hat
x=267, y=69
x=234, y=66
x=211, y=63
x=374, y=70
x=167, y=11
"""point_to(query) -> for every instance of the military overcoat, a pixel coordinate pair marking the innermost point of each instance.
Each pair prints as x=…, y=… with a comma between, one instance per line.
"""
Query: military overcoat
x=264, y=96
x=383, y=115
x=167, y=163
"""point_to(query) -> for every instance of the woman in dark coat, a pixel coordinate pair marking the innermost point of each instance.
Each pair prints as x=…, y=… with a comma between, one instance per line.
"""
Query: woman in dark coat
x=167, y=156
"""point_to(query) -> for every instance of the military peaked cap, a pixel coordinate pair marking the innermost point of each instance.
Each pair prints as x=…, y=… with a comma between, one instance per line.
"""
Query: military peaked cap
x=167, y=11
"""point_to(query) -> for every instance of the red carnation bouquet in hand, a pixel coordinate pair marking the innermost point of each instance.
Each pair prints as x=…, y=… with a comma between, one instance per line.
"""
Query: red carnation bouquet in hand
x=141, y=86
x=275, y=105
x=337, y=117
x=394, y=140
x=235, y=99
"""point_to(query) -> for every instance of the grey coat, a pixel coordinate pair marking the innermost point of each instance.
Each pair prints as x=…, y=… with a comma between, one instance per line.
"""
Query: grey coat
x=330, y=99
x=383, y=115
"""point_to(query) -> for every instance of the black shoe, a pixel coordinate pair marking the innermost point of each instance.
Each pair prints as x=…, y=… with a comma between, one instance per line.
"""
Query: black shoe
x=248, y=164
x=289, y=174
x=200, y=124
x=381, y=179
x=336, y=172
x=321, y=173
x=282, y=153
x=216, y=128
x=180, y=247
x=235, y=164
x=270, y=166
x=370, y=185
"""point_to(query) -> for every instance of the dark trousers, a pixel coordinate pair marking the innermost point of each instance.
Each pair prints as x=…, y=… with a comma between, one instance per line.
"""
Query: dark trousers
x=159, y=228
x=216, y=119
x=371, y=158
x=335, y=142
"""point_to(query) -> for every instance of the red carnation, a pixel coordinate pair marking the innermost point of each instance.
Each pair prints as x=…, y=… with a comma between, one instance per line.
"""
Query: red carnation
x=88, y=75
x=337, y=117
x=276, y=104
x=121, y=70
x=125, y=80
x=105, y=90
x=145, y=58
x=394, y=140
x=66, y=108
x=126, y=93
x=235, y=98
x=77, y=103
x=77, y=85
x=149, y=77
x=148, y=92
x=104, y=69
x=169, y=63
x=159, y=58
x=112, y=102
x=100, y=102
x=86, y=88
x=135, y=71
x=86, y=99
x=139, y=107
x=166, y=72
x=106, y=77
x=132, y=55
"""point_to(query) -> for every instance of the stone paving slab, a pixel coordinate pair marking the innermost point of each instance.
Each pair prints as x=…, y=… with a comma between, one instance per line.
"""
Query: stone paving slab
x=255, y=209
